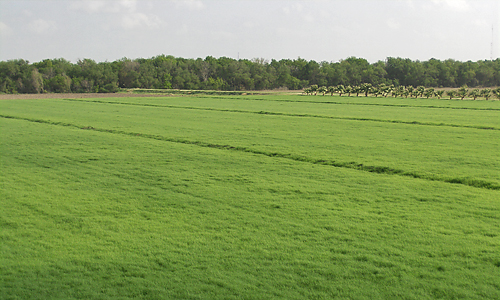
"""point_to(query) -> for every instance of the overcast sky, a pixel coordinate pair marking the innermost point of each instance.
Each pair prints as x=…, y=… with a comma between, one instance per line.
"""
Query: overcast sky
x=271, y=29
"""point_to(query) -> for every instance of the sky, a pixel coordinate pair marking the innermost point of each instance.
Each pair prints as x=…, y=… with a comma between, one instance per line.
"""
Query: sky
x=319, y=30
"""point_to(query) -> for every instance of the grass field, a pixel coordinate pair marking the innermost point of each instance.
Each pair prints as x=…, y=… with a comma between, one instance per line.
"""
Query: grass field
x=249, y=197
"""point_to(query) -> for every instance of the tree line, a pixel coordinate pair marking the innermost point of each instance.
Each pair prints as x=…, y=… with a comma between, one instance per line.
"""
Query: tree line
x=403, y=91
x=168, y=72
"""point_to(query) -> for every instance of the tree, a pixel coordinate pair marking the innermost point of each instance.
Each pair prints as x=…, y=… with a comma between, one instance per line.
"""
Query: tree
x=439, y=94
x=322, y=89
x=18, y=76
x=398, y=69
x=496, y=92
x=448, y=73
x=419, y=91
x=314, y=89
x=109, y=88
x=15, y=76
x=399, y=91
x=8, y=86
x=486, y=93
x=451, y=94
x=410, y=90
x=365, y=88
x=405, y=93
x=467, y=74
x=36, y=81
x=415, y=93
x=353, y=68
x=340, y=89
x=332, y=89
x=356, y=89
x=82, y=85
x=386, y=90
x=166, y=81
x=291, y=83
x=376, y=91
x=474, y=93
x=348, y=90
x=216, y=84
x=429, y=92
x=462, y=92
x=396, y=92
x=60, y=84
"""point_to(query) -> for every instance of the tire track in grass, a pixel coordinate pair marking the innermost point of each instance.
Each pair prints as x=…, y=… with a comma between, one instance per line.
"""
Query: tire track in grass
x=287, y=114
x=478, y=183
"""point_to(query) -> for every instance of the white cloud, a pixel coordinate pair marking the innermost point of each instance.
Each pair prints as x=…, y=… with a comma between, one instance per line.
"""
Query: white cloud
x=129, y=4
x=298, y=11
x=410, y=3
x=90, y=6
x=294, y=8
x=221, y=35
x=140, y=20
x=250, y=25
x=95, y=6
x=27, y=13
x=393, y=24
x=123, y=11
x=457, y=5
x=481, y=23
x=324, y=14
x=41, y=26
x=5, y=30
x=309, y=17
x=190, y=4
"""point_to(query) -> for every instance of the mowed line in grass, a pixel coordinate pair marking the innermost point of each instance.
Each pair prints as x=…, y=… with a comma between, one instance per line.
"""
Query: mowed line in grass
x=360, y=103
x=478, y=183
x=352, y=98
x=288, y=114
x=410, y=113
x=444, y=151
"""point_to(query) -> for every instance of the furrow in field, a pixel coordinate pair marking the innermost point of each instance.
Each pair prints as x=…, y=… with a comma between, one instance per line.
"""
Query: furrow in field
x=356, y=103
x=288, y=114
x=478, y=183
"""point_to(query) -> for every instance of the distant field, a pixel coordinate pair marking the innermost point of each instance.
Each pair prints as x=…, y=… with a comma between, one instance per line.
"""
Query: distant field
x=249, y=197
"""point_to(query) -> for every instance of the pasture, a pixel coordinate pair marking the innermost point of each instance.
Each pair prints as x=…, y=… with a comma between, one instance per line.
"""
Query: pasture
x=249, y=197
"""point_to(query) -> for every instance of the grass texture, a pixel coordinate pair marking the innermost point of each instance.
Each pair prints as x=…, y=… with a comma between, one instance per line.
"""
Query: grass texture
x=251, y=197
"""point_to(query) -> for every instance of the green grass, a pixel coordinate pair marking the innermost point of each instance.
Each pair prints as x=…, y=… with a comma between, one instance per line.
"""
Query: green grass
x=129, y=200
x=446, y=153
x=468, y=117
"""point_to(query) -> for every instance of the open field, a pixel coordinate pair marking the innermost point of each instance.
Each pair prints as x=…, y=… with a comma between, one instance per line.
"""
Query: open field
x=73, y=95
x=249, y=197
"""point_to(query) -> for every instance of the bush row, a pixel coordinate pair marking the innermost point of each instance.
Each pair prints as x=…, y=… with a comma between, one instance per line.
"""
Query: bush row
x=403, y=91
